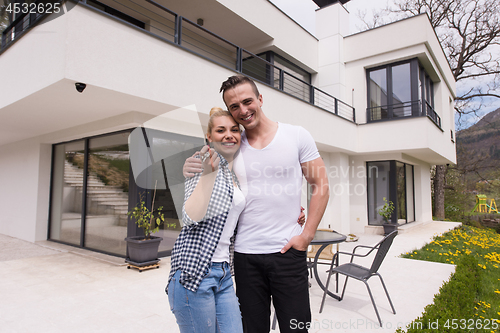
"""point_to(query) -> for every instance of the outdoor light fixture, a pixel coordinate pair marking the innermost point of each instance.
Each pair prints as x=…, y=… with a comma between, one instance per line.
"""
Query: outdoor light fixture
x=200, y=22
x=80, y=87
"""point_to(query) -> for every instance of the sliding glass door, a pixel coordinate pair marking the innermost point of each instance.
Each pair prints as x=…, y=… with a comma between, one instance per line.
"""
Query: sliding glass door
x=157, y=160
x=392, y=180
x=107, y=175
x=107, y=193
x=92, y=173
x=67, y=190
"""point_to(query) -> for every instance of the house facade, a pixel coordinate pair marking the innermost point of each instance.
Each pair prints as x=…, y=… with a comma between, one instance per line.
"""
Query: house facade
x=102, y=104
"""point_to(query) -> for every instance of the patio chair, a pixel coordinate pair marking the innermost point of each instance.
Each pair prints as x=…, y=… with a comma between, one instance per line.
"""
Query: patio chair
x=362, y=273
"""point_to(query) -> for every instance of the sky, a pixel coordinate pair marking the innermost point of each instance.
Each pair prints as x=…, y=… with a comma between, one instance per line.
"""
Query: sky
x=303, y=12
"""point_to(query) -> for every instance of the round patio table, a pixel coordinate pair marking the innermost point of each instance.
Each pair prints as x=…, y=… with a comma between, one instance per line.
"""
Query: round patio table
x=325, y=238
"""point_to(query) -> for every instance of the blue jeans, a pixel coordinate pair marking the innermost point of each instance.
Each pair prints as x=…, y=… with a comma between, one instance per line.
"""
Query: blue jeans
x=212, y=308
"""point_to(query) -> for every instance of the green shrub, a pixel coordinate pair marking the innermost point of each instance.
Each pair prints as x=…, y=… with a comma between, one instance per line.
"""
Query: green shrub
x=452, y=212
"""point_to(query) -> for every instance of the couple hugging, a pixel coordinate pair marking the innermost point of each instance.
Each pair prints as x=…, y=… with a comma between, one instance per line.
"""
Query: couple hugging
x=245, y=192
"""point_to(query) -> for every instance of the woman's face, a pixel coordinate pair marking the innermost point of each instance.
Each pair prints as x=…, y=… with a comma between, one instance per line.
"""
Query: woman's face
x=225, y=136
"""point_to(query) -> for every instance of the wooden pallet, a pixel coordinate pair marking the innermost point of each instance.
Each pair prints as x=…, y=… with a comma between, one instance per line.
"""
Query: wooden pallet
x=143, y=268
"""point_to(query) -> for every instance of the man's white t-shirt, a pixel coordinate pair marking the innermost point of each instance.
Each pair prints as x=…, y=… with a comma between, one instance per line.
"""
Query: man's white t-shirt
x=271, y=180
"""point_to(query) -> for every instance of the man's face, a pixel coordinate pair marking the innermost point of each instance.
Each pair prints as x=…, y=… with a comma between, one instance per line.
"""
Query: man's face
x=244, y=105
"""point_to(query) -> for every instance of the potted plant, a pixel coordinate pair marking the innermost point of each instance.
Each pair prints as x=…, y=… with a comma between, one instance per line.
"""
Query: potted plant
x=143, y=250
x=386, y=212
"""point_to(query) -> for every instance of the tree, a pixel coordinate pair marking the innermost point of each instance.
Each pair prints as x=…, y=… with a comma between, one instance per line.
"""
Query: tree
x=469, y=32
x=4, y=15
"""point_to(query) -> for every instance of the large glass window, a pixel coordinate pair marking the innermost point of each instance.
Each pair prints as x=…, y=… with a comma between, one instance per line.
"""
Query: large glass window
x=157, y=161
x=258, y=69
x=378, y=94
x=401, y=191
x=98, y=173
x=410, y=194
x=378, y=188
x=427, y=88
x=400, y=90
x=67, y=190
x=281, y=74
x=91, y=173
x=176, y=149
x=107, y=193
x=392, y=180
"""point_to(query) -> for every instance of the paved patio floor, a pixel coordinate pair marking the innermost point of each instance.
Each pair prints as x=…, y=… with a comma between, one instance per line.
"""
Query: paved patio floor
x=49, y=287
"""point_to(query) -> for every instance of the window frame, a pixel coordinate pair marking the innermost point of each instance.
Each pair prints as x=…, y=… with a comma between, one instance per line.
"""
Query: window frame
x=422, y=91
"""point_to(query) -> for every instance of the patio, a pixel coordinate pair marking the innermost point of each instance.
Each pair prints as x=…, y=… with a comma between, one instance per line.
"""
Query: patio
x=49, y=287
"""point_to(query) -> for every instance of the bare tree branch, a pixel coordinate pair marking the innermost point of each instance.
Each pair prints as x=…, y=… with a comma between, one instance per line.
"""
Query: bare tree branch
x=476, y=95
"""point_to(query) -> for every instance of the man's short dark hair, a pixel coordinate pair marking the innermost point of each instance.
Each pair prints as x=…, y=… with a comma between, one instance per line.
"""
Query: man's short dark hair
x=236, y=80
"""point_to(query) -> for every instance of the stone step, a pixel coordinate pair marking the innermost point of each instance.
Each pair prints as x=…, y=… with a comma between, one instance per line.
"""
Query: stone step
x=103, y=187
x=109, y=202
x=108, y=198
x=102, y=199
x=105, y=190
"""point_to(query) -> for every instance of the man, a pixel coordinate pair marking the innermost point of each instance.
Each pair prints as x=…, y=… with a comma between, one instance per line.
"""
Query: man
x=270, y=247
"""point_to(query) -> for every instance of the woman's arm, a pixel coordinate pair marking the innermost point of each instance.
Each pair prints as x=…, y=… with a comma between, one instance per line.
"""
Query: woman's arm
x=197, y=203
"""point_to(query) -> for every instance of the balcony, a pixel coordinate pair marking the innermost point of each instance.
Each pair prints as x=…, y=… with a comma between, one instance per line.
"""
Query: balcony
x=155, y=19
x=402, y=111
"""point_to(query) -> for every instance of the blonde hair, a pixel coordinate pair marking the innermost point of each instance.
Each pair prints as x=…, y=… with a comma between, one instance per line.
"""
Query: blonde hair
x=216, y=112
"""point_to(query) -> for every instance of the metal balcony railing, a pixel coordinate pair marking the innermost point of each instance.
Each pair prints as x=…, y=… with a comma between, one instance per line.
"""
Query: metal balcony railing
x=27, y=17
x=401, y=111
x=184, y=33
x=432, y=114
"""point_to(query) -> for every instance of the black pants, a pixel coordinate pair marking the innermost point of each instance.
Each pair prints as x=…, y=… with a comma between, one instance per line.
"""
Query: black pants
x=282, y=276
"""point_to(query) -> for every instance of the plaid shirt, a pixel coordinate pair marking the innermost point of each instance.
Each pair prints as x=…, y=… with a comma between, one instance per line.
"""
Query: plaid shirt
x=195, y=246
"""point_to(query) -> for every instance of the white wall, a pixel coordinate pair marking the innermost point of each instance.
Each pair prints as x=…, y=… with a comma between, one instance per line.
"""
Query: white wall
x=337, y=213
x=24, y=180
x=287, y=36
x=332, y=24
x=423, y=199
x=358, y=199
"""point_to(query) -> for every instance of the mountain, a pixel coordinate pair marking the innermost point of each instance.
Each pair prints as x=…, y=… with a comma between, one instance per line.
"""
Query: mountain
x=479, y=145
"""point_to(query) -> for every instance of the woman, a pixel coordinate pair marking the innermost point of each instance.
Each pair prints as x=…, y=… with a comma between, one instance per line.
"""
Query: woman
x=200, y=288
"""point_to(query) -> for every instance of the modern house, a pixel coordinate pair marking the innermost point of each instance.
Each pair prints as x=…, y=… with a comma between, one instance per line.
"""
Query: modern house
x=106, y=100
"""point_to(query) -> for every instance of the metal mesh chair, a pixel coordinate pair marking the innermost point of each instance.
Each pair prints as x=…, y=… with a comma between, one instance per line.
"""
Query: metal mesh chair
x=362, y=273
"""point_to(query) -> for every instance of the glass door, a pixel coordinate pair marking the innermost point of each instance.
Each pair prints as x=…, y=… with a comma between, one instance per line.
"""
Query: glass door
x=163, y=155
x=378, y=188
x=107, y=193
x=410, y=194
x=92, y=173
x=401, y=192
x=392, y=180
x=67, y=191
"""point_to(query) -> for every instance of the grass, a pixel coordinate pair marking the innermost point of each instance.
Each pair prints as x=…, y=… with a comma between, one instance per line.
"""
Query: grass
x=472, y=295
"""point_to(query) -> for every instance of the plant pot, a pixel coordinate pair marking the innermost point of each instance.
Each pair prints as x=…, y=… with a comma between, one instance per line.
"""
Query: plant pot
x=142, y=252
x=389, y=227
